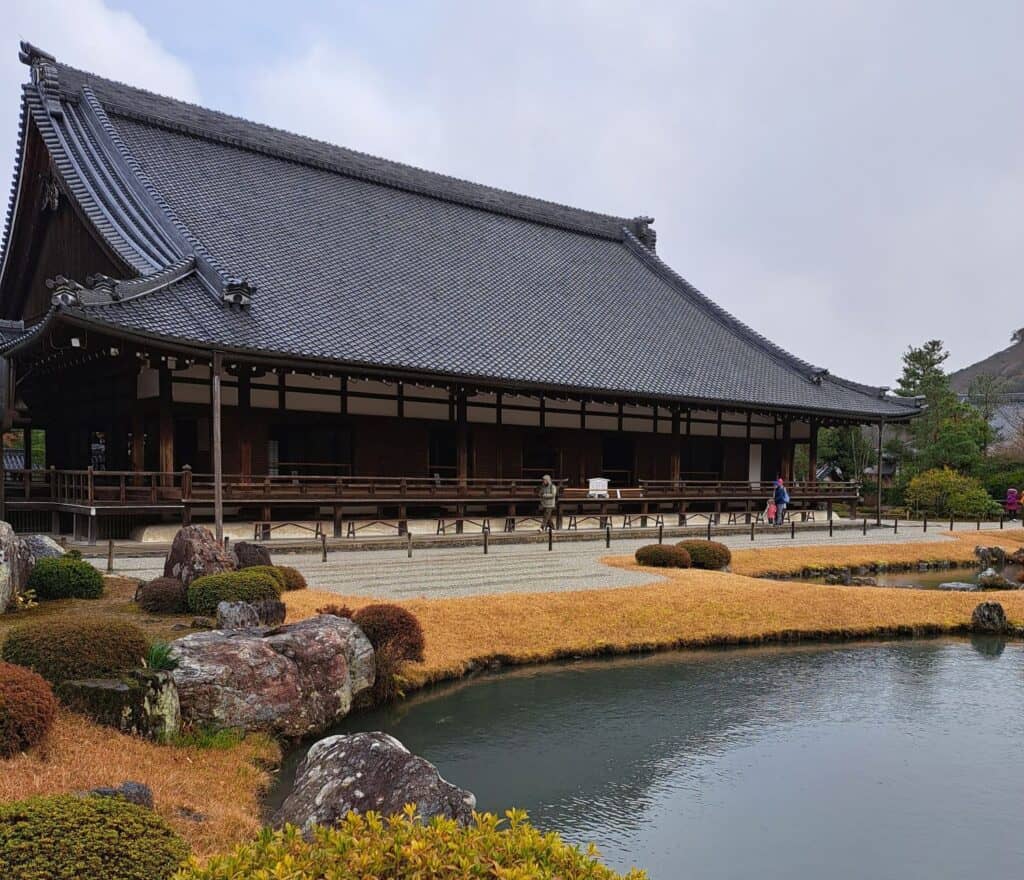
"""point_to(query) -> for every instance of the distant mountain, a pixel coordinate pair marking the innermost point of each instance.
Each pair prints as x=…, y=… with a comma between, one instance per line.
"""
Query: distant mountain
x=1007, y=364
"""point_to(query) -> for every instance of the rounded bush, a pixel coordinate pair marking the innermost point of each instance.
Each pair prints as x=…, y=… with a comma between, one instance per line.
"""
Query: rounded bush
x=403, y=846
x=163, y=595
x=393, y=627
x=66, y=837
x=272, y=571
x=65, y=577
x=663, y=556
x=293, y=578
x=337, y=611
x=707, y=554
x=60, y=650
x=245, y=585
x=27, y=707
x=947, y=493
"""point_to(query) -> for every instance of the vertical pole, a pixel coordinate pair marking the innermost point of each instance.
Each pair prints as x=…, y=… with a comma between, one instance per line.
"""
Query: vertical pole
x=830, y=527
x=486, y=533
x=166, y=427
x=751, y=530
x=323, y=547
x=408, y=543
x=812, y=453
x=878, y=473
x=218, y=472
x=551, y=534
x=661, y=534
x=608, y=535
x=110, y=556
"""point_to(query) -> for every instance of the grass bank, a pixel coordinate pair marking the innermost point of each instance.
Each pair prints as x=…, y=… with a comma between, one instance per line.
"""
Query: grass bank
x=687, y=609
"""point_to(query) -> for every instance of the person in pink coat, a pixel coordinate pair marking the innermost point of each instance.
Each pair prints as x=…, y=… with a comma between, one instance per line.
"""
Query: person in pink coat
x=1012, y=503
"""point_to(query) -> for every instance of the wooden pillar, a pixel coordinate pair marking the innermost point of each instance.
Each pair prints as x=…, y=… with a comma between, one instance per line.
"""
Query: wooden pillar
x=674, y=462
x=461, y=438
x=218, y=472
x=812, y=453
x=786, y=463
x=27, y=443
x=244, y=417
x=138, y=441
x=878, y=475
x=166, y=461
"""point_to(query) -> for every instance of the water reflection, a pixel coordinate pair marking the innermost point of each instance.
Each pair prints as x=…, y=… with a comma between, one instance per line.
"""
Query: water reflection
x=880, y=760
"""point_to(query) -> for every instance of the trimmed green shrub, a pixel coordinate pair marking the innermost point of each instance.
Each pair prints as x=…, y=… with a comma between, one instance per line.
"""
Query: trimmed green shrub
x=272, y=571
x=65, y=837
x=245, y=585
x=27, y=707
x=710, y=555
x=392, y=626
x=402, y=846
x=663, y=556
x=946, y=493
x=60, y=650
x=293, y=578
x=163, y=595
x=65, y=577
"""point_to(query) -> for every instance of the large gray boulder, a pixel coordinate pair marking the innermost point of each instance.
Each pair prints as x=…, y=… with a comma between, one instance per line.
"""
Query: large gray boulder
x=290, y=681
x=989, y=617
x=194, y=553
x=247, y=554
x=990, y=579
x=368, y=771
x=42, y=547
x=990, y=557
x=15, y=566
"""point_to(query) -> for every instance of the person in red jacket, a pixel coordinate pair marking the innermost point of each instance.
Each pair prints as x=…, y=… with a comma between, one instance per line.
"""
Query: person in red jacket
x=1012, y=503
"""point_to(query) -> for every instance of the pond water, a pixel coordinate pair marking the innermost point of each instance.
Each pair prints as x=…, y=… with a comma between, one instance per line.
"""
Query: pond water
x=895, y=760
x=933, y=578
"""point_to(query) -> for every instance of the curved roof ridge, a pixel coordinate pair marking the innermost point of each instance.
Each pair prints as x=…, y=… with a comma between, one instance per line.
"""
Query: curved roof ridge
x=809, y=371
x=209, y=269
x=16, y=181
x=655, y=263
x=127, y=101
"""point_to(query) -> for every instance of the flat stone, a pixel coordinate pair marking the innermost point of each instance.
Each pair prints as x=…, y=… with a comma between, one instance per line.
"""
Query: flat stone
x=248, y=554
x=236, y=615
x=368, y=771
x=959, y=586
x=134, y=792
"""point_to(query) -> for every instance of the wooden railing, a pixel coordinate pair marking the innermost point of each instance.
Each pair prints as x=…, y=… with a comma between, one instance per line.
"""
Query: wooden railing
x=712, y=489
x=150, y=488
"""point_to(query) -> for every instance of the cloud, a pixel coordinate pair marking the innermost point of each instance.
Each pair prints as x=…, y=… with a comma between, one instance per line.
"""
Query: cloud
x=90, y=35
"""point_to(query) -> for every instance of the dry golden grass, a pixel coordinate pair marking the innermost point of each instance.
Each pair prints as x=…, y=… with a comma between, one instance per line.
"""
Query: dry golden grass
x=689, y=608
x=788, y=561
x=222, y=784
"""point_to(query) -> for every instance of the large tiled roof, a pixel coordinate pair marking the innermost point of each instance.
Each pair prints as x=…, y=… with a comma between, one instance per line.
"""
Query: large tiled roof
x=338, y=256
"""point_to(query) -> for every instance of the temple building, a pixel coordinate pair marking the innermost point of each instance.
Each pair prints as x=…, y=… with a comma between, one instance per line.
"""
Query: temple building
x=208, y=316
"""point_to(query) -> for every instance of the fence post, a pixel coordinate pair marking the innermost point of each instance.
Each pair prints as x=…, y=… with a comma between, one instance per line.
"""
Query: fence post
x=661, y=534
x=186, y=482
x=709, y=527
x=979, y=526
x=751, y=530
x=323, y=547
x=830, y=527
x=486, y=533
x=951, y=523
x=607, y=535
x=865, y=530
x=895, y=525
x=792, y=529
x=926, y=522
x=91, y=488
x=1000, y=521
x=551, y=537
x=408, y=543
x=110, y=556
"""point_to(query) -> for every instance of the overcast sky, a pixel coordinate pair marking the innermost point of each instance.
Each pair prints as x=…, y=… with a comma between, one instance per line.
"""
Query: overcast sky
x=846, y=177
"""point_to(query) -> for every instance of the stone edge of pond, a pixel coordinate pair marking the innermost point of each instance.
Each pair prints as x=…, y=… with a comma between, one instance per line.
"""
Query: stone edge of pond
x=866, y=569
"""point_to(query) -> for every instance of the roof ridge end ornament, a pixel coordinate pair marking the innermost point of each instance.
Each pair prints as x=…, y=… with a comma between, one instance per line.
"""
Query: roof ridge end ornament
x=643, y=229
x=44, y=75
x=66, y=292
x=237, y=292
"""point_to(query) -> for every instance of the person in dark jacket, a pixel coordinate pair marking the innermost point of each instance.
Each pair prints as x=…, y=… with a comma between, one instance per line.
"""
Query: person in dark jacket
x=548, y=502
x=781, y=498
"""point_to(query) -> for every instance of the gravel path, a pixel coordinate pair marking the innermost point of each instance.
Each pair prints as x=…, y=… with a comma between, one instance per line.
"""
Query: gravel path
x=465, y=571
